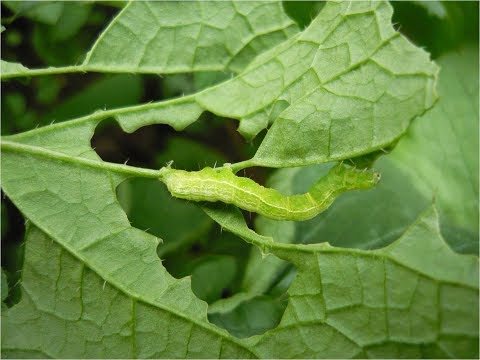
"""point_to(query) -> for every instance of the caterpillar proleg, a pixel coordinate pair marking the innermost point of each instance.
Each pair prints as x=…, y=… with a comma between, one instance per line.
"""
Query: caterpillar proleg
x=223, y=185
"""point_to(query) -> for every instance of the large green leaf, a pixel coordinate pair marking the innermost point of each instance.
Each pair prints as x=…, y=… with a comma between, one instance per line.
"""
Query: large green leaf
x=177, y=36
x=198, y=36
x=317, y=85
x=440, y=152
x=436, y=161
x=93, y=286
x=69, y=310
x=414, y=298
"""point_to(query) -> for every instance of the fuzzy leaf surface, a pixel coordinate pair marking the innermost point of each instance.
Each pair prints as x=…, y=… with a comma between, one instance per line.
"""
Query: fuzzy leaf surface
x=176, y=36
x=347, y=85
x=93, y=286
x=436, y=161
x=413, y=298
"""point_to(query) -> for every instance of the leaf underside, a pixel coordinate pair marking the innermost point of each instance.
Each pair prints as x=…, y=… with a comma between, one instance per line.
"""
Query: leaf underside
x=93, y=286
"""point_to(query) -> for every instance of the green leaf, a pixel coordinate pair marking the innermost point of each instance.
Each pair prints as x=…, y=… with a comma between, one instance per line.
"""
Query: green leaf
x=421, y=169
x=438, y=151
x=414, y=298
x=211, y=275
x=254, y=316
x=93, y=285
x=433, y=161
x=47, y=12
x=77, y=207
x=69, y=310
x=188, y=36
x=355, y=115
x=338, y=112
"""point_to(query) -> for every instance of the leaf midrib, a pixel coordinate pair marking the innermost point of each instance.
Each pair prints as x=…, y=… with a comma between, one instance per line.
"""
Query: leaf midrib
x=255, y=238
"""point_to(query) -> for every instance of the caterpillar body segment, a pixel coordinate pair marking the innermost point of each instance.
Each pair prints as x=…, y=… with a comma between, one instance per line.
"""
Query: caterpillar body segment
x=223, y=185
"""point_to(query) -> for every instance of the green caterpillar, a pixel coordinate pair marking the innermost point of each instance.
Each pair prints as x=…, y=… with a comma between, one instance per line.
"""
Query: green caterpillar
x=222, y=184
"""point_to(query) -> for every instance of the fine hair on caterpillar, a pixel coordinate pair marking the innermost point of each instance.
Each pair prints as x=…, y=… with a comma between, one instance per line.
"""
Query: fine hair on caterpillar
x=223, y=185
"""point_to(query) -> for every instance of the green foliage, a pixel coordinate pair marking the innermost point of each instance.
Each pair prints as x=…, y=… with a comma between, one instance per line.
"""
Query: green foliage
x=383, y=290
x=386, y=272
x=440, y=25
x=430, y=164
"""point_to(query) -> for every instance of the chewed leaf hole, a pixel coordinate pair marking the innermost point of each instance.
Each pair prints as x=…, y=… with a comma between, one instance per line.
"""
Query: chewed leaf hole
x=220, y=264
x=139, y=148
x=209, y=141
x=303, y=13
x=252, y=317
x=151, y=208
x=261, y=301
x=13, y=246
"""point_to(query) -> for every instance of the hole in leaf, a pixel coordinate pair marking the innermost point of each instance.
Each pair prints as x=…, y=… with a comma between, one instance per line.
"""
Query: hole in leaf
x=13, y=232
x=259, y=303
x=210, y=141
x=189, y=243
x=139, y=148
x=252, y=317
x=150, y=207
x=221, y=134
x=303, y=12
x=217, y=261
